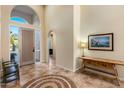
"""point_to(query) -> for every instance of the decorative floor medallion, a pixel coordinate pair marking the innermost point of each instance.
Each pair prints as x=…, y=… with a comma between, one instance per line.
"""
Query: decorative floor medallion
x=50, y=81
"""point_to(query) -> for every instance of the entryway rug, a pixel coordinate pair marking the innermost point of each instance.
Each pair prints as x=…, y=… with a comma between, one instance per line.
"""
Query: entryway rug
x=50, y=81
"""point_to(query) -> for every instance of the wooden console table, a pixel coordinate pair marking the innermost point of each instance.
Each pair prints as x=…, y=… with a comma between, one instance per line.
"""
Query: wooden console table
x=104, y=66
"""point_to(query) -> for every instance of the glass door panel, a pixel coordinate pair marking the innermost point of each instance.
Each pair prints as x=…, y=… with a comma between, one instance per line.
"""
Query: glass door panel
x=14, y=44
x=37, y=46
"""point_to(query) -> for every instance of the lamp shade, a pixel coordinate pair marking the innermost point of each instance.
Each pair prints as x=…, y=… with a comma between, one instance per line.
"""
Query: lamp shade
x=82, y=44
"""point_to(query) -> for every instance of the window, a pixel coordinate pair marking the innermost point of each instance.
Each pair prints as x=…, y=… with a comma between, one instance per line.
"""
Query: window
x=19, y=20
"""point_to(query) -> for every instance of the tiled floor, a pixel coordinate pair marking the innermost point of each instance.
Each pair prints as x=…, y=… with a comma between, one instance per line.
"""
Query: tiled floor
x=81, y=79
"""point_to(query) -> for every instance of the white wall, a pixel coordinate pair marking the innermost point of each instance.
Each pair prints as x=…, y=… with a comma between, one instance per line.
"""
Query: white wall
x=104, y=19
x=60, y=20
x=6, y=10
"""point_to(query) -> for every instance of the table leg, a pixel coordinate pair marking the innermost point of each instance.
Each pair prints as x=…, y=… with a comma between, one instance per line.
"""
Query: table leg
x=116, y=74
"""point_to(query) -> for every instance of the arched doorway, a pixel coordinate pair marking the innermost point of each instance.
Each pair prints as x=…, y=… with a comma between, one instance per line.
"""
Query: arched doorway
x=24, y=35
x=52, y=47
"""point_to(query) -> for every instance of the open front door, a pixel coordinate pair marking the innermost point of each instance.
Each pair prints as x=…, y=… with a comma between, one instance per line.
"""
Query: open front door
x=27, y=47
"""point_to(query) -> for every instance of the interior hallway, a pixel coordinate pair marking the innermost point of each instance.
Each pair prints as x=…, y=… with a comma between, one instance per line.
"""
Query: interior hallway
x=81, y=79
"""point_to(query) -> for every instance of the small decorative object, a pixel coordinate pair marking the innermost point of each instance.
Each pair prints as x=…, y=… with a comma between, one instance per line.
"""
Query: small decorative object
x=82, y=46
x=50, y=51
x=103, y=42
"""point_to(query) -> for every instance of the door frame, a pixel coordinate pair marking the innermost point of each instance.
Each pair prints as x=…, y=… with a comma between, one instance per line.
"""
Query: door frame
x=54, y=45
x=20, y=51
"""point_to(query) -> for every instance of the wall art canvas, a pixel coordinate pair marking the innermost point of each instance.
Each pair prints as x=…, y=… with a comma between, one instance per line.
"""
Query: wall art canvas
x=102, y=42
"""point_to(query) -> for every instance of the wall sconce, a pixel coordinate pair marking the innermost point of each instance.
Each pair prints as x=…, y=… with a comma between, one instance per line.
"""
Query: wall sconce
x=82, y=46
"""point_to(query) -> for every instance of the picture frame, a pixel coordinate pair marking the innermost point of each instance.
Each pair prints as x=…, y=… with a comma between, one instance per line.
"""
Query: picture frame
x=101, y=42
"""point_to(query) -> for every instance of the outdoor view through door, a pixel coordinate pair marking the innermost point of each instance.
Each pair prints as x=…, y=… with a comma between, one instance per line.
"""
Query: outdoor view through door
x=14, y=44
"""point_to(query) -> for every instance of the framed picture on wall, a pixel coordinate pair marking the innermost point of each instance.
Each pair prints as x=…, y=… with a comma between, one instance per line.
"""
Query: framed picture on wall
x=102, y=42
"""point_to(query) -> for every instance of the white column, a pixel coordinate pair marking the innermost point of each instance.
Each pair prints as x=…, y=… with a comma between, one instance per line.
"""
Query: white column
x=76, y=37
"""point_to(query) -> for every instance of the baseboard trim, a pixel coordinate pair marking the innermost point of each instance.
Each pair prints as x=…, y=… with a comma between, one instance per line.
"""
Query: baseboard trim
x=64, y=68
x=75, y=70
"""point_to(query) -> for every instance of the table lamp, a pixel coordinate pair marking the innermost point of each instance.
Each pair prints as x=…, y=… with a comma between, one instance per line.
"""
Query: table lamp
x=82, y=46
